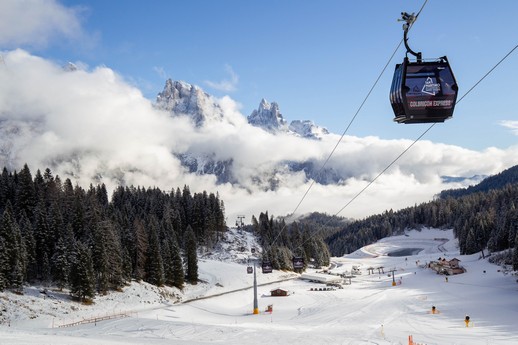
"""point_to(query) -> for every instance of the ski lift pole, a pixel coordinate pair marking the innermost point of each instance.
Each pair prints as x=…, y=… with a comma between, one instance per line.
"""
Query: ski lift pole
x=256, y=307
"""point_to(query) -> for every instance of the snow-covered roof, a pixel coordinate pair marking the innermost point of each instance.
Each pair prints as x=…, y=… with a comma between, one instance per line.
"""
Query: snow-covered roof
x=323, y=278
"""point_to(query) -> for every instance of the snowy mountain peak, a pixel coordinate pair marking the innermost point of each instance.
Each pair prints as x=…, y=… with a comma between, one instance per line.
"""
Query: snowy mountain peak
x=70, y=67
x=268, y=117
x=181, y=98
x=308, y=129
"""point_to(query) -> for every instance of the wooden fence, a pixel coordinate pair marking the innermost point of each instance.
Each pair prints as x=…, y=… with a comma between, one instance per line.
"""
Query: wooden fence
x=95, y=319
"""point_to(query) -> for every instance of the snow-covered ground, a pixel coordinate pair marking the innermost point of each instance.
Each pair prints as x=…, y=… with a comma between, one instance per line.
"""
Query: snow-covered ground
x=369, y=311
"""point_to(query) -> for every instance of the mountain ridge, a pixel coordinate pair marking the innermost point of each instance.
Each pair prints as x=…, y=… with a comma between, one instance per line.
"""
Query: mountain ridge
x=179, y=98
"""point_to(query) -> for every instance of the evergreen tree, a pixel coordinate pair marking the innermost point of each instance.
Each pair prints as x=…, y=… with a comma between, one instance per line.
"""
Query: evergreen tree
x=14, y=268
x=46, y=275
x=154, y=264
x=167, y=262
x=140, y=247
x=29, y=242
x=82, y=279
x=42, y=238
x=25, y=192
x=4, y=265
x=100, y=253
x=515, y=254
x=191, y=257
x=60, y=264
x=116, y=274
x=177, y=264
x=5, y=188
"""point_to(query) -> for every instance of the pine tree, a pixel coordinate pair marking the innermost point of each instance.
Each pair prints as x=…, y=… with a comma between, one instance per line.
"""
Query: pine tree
x=25, y=192
x=46, y=275
x=60, y=264
x=14, y=268
x=116, y=256
x=191, y=257
x=5, y=182
x=140, y=250
x=4, y=264
x=177, y=264
x=82, y=279
x=29, y=246
x=167, y=262
x=154, y=264
x=100, y=254
x=42, y=238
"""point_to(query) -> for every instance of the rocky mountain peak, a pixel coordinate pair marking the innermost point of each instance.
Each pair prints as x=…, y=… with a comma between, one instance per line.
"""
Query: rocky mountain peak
x=181, y=98
x=268, y=117
x=308, y=129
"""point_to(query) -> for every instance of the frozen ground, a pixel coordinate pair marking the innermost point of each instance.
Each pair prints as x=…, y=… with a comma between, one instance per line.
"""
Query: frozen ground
x=369, y=311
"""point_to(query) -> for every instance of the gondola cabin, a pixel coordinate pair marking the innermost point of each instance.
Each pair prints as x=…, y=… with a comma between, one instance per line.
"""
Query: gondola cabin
x=267, y=267
x=423, y=92
x=298, y=263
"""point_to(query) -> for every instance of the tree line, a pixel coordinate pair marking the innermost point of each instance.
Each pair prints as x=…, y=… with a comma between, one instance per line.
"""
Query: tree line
x=498, y=181
x=282, y=242
x=486, y=220
x=54, y=232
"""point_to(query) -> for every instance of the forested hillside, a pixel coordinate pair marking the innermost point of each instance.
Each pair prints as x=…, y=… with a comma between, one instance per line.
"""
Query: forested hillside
x=281, y=242
x=482, y=220
x=52, y=231
x=498, y=181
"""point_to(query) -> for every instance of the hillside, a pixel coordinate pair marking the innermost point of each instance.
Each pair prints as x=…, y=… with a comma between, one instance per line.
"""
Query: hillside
x=368, y=311
x=498, y=181
x=486, y=220
x=220, y=271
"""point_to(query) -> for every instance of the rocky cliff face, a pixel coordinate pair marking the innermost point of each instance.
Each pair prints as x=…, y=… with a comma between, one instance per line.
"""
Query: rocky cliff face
x=180, y=98
x=268, y=117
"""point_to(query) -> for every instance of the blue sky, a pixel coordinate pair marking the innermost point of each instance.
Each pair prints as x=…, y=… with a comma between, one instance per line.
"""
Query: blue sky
x=317, y=60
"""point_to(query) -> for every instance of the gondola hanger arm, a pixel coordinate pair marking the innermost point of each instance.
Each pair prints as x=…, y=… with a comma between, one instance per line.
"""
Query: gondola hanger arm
x=409, y=19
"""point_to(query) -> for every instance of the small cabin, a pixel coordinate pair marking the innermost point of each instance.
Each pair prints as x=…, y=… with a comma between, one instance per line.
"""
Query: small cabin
x=279, y=292
x=454, y=263
x=447, y=267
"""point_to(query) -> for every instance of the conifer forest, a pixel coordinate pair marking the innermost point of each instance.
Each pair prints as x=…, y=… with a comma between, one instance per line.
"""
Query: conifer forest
x=54, y=232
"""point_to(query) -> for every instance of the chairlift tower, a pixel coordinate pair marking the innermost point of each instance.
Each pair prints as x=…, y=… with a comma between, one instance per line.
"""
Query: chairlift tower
x=393, y=271
x=256, y=306
x=239, y=221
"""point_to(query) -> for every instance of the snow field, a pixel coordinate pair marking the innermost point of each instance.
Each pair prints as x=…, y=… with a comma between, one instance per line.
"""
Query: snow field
x=369, y=311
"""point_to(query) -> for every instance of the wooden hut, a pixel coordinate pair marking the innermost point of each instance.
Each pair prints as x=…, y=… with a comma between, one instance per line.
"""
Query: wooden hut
x=279, y=292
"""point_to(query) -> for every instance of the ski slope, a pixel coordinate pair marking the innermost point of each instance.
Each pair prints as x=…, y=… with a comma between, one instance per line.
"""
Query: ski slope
x=369, y=311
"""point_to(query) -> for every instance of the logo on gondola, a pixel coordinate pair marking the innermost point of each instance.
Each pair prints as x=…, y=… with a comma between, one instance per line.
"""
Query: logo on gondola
x=430, y=87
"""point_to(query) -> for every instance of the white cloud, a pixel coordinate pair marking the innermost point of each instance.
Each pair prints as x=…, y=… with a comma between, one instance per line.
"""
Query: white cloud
x=94, y=126
x=36, y=22
x=160, y=71
x=512, y=125
x=226, y=85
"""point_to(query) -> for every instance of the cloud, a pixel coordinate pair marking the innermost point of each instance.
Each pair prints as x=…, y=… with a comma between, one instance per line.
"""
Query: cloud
x=93, y=126
x=226, y=85
x=37, y=22
x=512, y=125
x=160, y=71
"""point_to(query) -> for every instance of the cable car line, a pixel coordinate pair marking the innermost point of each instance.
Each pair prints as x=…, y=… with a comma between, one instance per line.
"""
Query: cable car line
x=359, y=108
x=489, y=72
x=349, y=124
x=415, y=141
